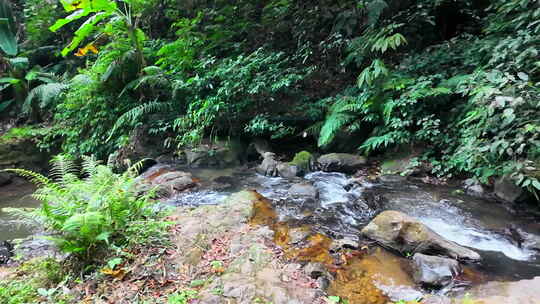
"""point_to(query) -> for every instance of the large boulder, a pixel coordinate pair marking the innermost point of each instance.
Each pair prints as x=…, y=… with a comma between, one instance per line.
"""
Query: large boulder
x=434, y=271
x=401, y=232
x=341, y=162
x=507, y=190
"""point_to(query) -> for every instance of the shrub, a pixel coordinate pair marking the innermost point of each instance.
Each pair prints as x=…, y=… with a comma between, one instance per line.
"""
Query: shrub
x=100, y=210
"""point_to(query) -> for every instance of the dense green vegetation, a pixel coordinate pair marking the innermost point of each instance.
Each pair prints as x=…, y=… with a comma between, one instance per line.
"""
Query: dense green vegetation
x=88, y=216
x=458, y=79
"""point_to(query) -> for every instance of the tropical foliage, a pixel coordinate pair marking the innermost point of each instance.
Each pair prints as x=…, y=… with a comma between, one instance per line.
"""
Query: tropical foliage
x=457, y=78
x=97, y=211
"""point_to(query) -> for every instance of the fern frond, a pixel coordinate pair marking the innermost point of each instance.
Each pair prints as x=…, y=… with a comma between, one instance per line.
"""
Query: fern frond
x=133, y=115
x=136, y=168
x=34, y=177
x=90, y=164
x=62, y=166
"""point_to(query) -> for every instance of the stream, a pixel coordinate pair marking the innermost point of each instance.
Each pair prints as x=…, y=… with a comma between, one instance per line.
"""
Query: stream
x=15, y=195
x=341, y=211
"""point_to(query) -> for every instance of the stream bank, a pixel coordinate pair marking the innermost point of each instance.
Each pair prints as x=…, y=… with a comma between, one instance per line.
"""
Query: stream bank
x=299, y=239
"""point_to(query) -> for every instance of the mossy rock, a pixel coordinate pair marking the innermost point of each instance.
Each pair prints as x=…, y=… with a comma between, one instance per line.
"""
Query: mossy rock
x=302, y=160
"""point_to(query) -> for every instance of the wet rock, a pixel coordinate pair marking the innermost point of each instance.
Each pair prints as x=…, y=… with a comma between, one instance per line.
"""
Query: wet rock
x=323, y=283
x=507, y=190
x=304, y=190
x=286, y=170
x=434, y=271
x=344, y=243
x=34, y=247
x=5, y=252
x=167, y=179
x=176, y=180
x=522, y=292
x=304, y=161
x=473, y=187
x=341, y=162
x=5, y=178
x=392, y=178
x=318, y=272
x=522, y=239
x=433, y=299
x=268, y=167
x=271, y=167
x=406, y=234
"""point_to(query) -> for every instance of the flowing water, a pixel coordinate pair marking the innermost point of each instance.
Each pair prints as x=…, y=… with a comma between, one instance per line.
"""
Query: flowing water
x=341, y=211
x=15, y=195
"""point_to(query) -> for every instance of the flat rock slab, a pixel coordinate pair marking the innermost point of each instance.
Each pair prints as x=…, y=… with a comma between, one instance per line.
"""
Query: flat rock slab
x=252, y=272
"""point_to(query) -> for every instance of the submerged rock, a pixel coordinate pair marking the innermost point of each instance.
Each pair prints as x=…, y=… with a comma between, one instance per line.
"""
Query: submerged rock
x=341, y=162
x=304, y=190
x=406, y=234
x=434, y=271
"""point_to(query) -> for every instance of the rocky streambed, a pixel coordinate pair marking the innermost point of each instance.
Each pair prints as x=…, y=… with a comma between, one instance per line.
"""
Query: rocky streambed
x=426, y=242
x=369, y=240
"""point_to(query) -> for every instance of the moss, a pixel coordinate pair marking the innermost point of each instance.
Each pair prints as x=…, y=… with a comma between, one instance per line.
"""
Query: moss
x=302, y=160
x=18, y=133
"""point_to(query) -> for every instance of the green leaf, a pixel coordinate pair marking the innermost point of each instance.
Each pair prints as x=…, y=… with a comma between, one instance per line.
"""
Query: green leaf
x=84, y=31
x=9, y=80
x=8, y=41
x=4, y=105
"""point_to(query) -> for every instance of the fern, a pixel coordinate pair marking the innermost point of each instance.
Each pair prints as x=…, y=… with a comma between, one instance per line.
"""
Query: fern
x=90, y=213
x=134, y=115
x=339, y=117
x=63, y=168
